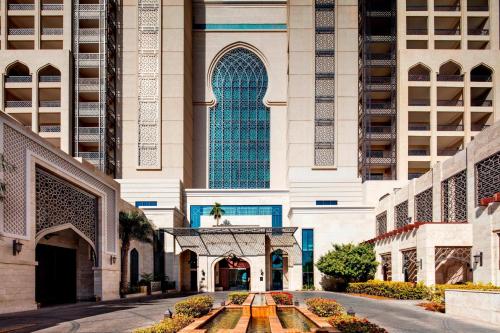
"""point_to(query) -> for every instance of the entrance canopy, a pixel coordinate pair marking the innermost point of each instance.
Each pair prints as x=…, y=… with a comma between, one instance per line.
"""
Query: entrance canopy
x=242, y=241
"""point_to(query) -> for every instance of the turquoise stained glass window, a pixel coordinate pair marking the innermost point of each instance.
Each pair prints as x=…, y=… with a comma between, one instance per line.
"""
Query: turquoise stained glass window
x=239, y=123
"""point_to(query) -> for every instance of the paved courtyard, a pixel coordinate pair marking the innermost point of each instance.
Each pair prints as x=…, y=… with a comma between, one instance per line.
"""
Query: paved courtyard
x=126, y=315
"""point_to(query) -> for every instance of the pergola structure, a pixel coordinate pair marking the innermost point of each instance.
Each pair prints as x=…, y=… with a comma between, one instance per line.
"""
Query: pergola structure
x=243, y=241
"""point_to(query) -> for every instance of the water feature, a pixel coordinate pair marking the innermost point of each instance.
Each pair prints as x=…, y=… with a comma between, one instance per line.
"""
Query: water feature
x=293, y=318
x=259, y=299
x=259, y=325
x=227, y=319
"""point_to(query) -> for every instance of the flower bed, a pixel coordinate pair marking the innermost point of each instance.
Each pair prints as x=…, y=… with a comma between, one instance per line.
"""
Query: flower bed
x=350, y=324
x=195, y=306
x=391, y=289
x=169, y=325
x=437, y=295
x=282, y=298
x=323, y=307
x=237, y=297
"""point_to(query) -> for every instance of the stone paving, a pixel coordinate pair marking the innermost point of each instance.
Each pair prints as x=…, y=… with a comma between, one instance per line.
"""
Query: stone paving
x=126, y=315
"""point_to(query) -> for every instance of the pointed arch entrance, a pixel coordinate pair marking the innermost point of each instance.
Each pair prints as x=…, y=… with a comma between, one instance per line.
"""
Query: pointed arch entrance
x=232, y=273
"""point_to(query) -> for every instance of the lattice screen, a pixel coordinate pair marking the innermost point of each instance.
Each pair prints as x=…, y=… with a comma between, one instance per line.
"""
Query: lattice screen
x=410, y=265
x=488, y=177
x=324, y=150
x=423, y=206
x=401, y=214
x=149, y=75
x=456, y=253
x=454, y=198
x=381, y=223
x=386, y=263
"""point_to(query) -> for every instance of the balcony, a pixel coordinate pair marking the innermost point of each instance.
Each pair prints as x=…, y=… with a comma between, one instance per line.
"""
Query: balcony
x=90, y=34
x=478, y=8
x=52, y=6
x=21, y=31
x=419, y=127
x=450, y=77
x=88, y=134
x=478, y=32
x=480, y=77
x=49, y=78
x=419, y=102
x=49, y=104
x=89, y=84
x=380, y=132
x=481, y=102
x=18, y=78
x=416, y=32
x=419, y=77
x=478, y=127
x=447, y=32
x=450, y=127
x=446, y=102
x=18, y=104
x=52, y=31
x=414, y=175
x=416, y=5
x=49, y=128
x=21, y=6
x=418, y=152
x=447, y=8
x=447, y=152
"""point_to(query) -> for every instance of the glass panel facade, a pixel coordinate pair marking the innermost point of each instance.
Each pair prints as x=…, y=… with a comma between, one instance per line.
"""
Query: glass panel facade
x=239, y=123
x=307, y=257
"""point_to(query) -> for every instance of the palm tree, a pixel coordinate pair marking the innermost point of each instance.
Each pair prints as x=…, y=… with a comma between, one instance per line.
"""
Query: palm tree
x=217, y=212
x=133, y=225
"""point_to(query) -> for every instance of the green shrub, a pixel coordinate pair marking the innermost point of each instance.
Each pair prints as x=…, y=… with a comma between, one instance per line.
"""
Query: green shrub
x=169, y=325
x=437, y=291
x=399, y=290
x=195, y=306
x=282, y=298
x=350, y=324
x=237, y=297
x=324, y=307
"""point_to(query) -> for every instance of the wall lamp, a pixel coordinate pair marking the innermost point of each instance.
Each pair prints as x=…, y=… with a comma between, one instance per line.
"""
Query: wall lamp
x=261, y=272
x=420, y=263
x=478, y=259
x=112, y=259
x=17, y=246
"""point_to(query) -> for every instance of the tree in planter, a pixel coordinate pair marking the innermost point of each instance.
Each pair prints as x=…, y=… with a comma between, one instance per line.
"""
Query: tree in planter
x=217, y=212
x=133, y=225
x=349, y=262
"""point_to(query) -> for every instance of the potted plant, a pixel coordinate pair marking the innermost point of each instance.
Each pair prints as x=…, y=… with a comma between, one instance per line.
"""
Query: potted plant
x=145, y=282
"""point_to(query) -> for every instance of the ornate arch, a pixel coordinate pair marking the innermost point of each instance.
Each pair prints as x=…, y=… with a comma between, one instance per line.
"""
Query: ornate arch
x=7, y=68
x=69, y=226
x=239, y=120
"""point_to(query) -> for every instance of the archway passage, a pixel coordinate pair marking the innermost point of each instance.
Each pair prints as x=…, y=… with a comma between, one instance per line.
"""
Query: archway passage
x=64, y=273
x=232, y=273
x=189, y=271
x=134, y=267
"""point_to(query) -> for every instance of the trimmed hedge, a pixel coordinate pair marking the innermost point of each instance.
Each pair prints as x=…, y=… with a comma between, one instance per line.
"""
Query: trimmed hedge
x=169, y=325
x=437, y=291
x=350, y=324
x=282, y=298
x=399, y=290
x=195, y=306
x=324, y=307
x=237, y=297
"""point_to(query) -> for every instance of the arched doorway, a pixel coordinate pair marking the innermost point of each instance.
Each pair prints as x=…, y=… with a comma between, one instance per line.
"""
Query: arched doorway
x=64, y=273
x=189, y=271
x=134, y=267
x=232, y=273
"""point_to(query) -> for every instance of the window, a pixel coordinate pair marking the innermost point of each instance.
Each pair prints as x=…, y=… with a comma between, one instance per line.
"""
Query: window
x=454, y=198
x=239, y=123
x=146, y=203
x=308, y=258
x=326, y=202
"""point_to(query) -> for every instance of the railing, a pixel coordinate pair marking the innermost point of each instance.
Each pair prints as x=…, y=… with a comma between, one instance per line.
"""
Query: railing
x=414, y=175
x=380, y=56
x=379, y=129
x=49, y=128
x=52, y=31
x=18, y=78
x=481, y=102
x=447, y=152
x=414, y=8
x=52, y=6
x=447, y=102
x=419, y=77
x=88, y=56
x=49, y=104
x=419, y=102
x=90, y=7
x=90, y=155
x=478, y=32
x=450, y=127
x=478, y=127
x=18, y=104
x=411, y=31
x=447, y=8
x=88, y=130
x=380, y=80
x=477, y=8
x=447, y=31
x=89, y=32
x=480, y=78
x=21, y=6
x=21, y=31
x=418, y=152
x=49, y=78
x=376, y=153
x=450, y=77
x=418, y=127
x=88, y=81
x=378, y=105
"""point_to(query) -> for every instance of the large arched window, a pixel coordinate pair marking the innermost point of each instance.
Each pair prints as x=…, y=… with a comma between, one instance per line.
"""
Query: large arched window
x=239, y=123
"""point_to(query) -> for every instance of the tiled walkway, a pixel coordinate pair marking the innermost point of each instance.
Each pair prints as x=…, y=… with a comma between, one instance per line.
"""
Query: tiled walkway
x=126, y=315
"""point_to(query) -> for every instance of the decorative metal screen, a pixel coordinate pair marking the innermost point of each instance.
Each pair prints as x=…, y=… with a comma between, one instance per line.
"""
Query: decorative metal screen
x=410, y=265
x=148, y=62
x=456, y=253
x=488, y=177
x=381, y=223
x=401, y=215
x=423, y=206
x=239, y=123
x=386, y=264
x=454, y=198
x=325, y=83
x=58, y=202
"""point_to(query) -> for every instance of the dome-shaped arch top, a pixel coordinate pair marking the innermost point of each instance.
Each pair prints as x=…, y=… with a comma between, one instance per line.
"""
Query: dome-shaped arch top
x=49, y=73
x=481, y=73
x=419, y=72
x=18, y=72
x=450, y=71
x=239, y=122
